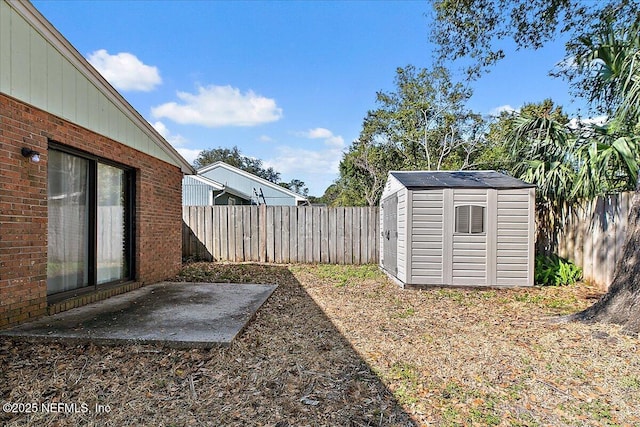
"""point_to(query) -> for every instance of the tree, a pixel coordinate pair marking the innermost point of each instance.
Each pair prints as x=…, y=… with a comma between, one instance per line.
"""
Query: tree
x=476, y=30
x=363, y=172
x=425, y=119
x=233, y=157
x=620, y=78
x=590, y=160
x=540, y=150
x=422, y=124
x=296, y=186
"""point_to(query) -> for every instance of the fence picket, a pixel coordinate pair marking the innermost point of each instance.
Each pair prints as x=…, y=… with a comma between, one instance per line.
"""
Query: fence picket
x=594, y=236
x=281, y=234
x=317, y=235
x=324, y=235
x=277, y=234
x=348, y=235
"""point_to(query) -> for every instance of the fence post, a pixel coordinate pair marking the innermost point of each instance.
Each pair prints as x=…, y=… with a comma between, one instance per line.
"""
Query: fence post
x=281, y=234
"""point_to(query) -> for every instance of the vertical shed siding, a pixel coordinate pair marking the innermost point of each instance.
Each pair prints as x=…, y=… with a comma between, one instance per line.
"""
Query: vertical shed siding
x=402, y=235
x=470, y=250
x=512, y=249
x=34, y=71
x=427, y=233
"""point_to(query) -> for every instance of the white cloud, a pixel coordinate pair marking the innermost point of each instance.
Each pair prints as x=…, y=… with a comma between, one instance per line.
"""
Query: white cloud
x=177, y=141
x=291, y=160
x=567, y=63
x=598, y=121
x=317, y=168
x=329, y=138
x=495, y=112
x=265, y=138
x=189, y=154
x=125, y=71
x=318, y=133
x=216, y=106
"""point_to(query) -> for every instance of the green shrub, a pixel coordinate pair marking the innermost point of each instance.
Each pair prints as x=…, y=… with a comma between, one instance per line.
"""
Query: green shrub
x=552, y=270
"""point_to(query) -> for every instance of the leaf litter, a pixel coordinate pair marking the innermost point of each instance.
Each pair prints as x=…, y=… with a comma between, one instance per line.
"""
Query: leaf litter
x=345, y=346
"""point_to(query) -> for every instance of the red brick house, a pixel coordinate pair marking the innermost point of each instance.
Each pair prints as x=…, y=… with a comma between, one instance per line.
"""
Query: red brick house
x=90, y=193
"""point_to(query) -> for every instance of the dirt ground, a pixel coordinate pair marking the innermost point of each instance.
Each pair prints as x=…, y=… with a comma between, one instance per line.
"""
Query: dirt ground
x=344, y=346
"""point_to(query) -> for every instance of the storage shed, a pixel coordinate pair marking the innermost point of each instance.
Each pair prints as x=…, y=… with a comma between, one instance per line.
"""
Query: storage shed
x=463, y=228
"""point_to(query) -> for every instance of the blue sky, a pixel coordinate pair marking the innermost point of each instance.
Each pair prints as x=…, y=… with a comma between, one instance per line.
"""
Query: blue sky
x=287, y=82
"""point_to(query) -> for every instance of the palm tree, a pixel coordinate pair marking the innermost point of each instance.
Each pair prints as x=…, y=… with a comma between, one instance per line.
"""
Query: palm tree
x=608, y=154
x=616, y=56
x=541, y=148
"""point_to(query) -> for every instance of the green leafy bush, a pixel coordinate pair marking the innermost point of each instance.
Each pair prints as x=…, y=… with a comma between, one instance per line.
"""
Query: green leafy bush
x=552, y=270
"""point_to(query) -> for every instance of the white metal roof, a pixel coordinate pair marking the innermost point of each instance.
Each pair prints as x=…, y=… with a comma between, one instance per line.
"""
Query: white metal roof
x=221, y=164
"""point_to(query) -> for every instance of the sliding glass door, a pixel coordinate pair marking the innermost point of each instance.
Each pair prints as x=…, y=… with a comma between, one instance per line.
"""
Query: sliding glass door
x=90, y=222
x=111, y=224
x=68, y=191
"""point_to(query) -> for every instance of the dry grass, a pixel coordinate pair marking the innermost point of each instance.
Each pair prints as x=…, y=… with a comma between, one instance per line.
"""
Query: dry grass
x=342, y=345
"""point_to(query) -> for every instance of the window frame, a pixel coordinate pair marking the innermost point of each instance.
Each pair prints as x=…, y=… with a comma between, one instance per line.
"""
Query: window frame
x=129, y=219
x=471, y=213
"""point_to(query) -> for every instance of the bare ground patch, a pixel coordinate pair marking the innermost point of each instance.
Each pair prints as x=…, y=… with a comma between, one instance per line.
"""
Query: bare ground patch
x=485, y=357
x=342, y=345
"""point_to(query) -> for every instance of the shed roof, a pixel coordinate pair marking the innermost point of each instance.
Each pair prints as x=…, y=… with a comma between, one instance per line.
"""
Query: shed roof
x=458, y=179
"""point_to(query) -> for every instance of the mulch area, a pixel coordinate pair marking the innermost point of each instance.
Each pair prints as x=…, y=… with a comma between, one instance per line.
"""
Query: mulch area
x=344, y=346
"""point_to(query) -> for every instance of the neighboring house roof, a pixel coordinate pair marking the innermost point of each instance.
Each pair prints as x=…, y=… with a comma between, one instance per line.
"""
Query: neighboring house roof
x=257, y=179
x=211, y=183
x=216, y=186
x=130, y=127
x=457, y=179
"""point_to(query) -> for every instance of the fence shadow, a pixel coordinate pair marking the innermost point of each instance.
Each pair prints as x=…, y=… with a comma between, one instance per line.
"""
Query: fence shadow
x=290, y=366
x=193, y=249
x=594, y=234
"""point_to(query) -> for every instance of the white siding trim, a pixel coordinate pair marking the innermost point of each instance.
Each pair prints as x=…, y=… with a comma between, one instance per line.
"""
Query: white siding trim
x=532, y=234
x=491, y=233
x=408, y=235
x=447, y=238
x=401, y=240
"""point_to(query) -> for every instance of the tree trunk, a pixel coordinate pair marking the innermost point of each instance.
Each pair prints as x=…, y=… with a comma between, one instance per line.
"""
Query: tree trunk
x=621, y=304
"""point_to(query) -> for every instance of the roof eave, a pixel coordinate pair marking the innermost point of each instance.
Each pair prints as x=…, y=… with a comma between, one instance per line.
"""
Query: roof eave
x=41, y=24
x=227, y=166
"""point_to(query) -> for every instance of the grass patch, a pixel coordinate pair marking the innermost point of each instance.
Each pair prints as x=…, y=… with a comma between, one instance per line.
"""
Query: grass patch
x=344, y=275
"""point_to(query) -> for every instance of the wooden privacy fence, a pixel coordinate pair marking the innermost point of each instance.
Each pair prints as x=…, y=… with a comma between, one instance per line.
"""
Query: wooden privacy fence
x=281, y=234
x=594, y=236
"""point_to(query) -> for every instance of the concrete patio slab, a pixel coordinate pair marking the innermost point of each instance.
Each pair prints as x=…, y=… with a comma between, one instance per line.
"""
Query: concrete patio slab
x=184, y=315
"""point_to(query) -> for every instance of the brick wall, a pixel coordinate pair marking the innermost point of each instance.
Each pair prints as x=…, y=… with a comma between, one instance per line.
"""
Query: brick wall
x=23, y=208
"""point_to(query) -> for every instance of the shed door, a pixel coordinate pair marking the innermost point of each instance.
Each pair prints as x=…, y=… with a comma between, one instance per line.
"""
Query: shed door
x=390, y=234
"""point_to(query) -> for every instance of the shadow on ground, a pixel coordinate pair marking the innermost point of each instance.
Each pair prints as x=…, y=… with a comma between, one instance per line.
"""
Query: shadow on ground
x=290, y=367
